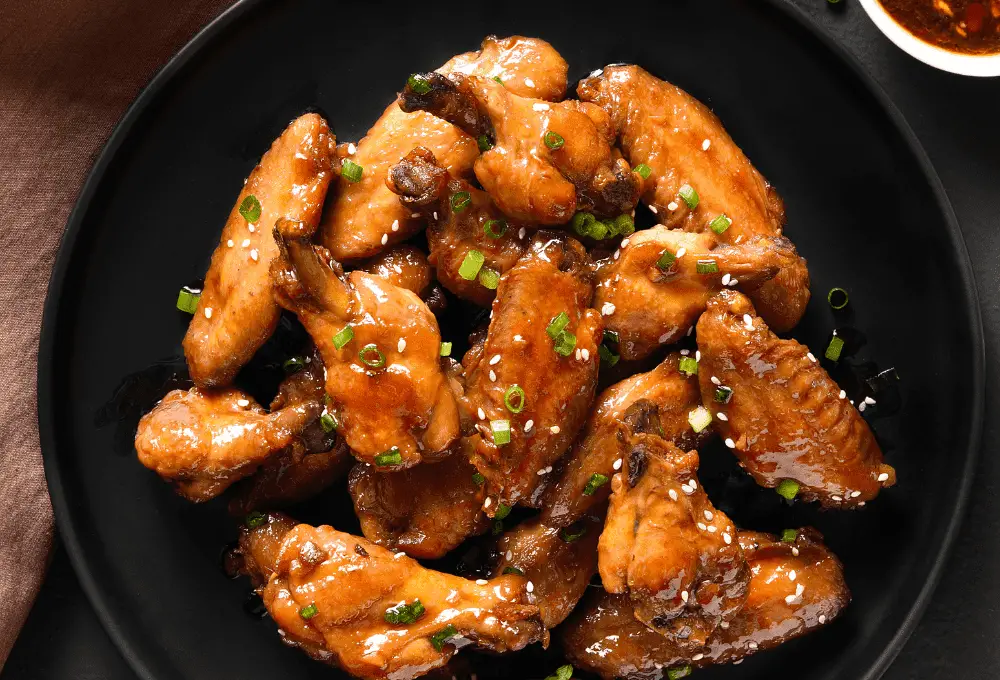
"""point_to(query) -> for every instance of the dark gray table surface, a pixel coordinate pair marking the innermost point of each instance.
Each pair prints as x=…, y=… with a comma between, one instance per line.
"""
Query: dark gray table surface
x=958, y=121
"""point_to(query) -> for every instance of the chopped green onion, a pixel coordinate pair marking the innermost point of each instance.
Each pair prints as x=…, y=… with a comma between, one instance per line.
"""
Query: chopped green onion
x=789, y=535
x=250, y=208
x=445, y=350
x=187, y=300
x=390, y=457
x=293, y=365
x=723, y=394
x=666, y=261
x=557, y=324
x=489, y=278
x=484, y=143
x=255, y=519
x=565, y=344
x=309, y=611
x=562, y=673
x=512, y=570
x=688, y=365
x=497, y=527
x=499, y=80
x=328, y=422
x=478, y=479
x=471, y=265
x=611, y=336
x=371, y=356
x=788, y=488
x=495, y=228
x=573, y=532
x=501, y=431
x=837, y=297
x=720, y=224
x=834, y=349
x=404, y=613
x=624, y=225
x=553, y=140
x=689, y=196
x=343, y=337
x=502, y=511
x=418, y=84
x=460, y=200
x=514, y=399
x=599, y=230
x=582, y=222
x=700, y=418
x=706, y=267
x=678, y=673
x=643, y=170
x=596, y=481
x=607, y=356
x=442, y=636
x=351, y=171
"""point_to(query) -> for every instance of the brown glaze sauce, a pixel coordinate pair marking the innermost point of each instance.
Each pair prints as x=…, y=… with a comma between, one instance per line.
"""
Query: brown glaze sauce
x=965, y=26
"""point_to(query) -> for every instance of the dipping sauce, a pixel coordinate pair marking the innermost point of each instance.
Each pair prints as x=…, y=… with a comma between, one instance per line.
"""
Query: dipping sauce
x=965, y=26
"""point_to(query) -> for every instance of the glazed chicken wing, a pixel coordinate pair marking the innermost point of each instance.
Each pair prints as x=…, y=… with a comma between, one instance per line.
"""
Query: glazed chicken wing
x=374, y=613
x=785, y=417
x=657, y=284
x=361, y=214
x=237, y=312
x=543, y=161
x=380, y=345
x=795, y=588
x=463, y=221
x=402, y=266
x=530, y=391
x=697, y=173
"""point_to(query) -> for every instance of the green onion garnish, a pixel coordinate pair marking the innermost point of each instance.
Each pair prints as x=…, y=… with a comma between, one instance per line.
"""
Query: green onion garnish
x=404, y=613
x=250, y=208
x=689, y=196
x=611, y=336
x=557, y=325
x=596, y=481
x=720, y=224
x=489, y=278
x=678, y=673
x=460, y=200
x=788, y=488
x=512, y=570
x=442, y=636
x=495, y=228
x=837, y=297
x=255, y=519
x=309, y=611
x=343, y=337
x=445, y=350
x=599, y=230
x=624, y=225
x=643, y=170
x=478, y=479
x=565, y=344
x=582, y=222
x=390, y=457
x=688, y=365
x=723, y=394
x=484, y=143
x=187, y=300
x=371, y=356
x=499, y=80
x=351, y=171
x=834, y=349
x=666, y=261
x=328, y=422
x=501, y=431
x=607, y=356
x=502, y=511
x=700, y=418
x=789, y=535
x=418, y=84
x=513, y=399
x=497, y=527
x=553, y=140
x=562, y=673
x=573, y=532
x=293, y=365
x=471, y=265
x=706, y=267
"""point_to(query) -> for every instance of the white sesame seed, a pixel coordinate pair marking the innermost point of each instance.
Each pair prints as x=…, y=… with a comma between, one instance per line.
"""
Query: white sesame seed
x=395, y=225
x=697, y=657
x=509, y=555
x=250, y=228
x=716, y=381
x=528, y=425
x=837, y=498
x=253, y=254
x=799, y=589
x=681, y=252
x=704, y=145
x=607, y=309
x=843, y=394
x=554, y=429
x=246, y=243
x=230, y=243
x=414, y=215
x=711, y=528
x=869, y=401
x=727, y=538
x=733, y=282
x=578, y=354
x=822, y=618
x=625, y=243
x=690, y=331
x=487, y=502
x=862, y=406
x=724, y=625
x=672, y=206
x=708, y=515
x=752, y=645
x=791, y=575
x=548, y=469
x=351, y=149
x=530, y=587
x=697, y=355
x=672, y=494
x=521, y=232
x=652, y=209
x=208, y=312
x=495, y=360
x=855, y=494
x=684, y=595
x=748, y=321
x=435, y=214
x=529, y=82
x=618, y=464
x=243, y=402
x=401, y=345
x=883, y=477
x=687, y=489
x=812, y=357
x=730, y=443
x=586, y=354
x=482, y=414
x=685, y=352
x=861, y=504
x=540, y=106
x=481, y=582
x=518, y=338
x=540, y=472
x=617, y=254
x=722, y=416
x=795, y=551
x=385, y=238
x=663, y=338
x=725, y=279
x=789, y=599
x=693, y=483
x=493, y=376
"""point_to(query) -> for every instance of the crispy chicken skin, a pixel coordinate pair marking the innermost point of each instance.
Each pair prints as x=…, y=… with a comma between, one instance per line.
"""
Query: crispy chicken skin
x=786, y=418
x=425, y=511
x=683, y=143
x=329, y=592
x=359, y=214
x=237, y=312
x=667, y=546
x=405, y=405
x=795, y=588
x=403, y=266
x=532, y=180
x=654, y=305
x=204, y=440
x=605, y=439
x=456, y=229
x=553, y=277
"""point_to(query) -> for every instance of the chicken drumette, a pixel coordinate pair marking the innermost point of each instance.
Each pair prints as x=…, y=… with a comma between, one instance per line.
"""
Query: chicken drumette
x=785, y=418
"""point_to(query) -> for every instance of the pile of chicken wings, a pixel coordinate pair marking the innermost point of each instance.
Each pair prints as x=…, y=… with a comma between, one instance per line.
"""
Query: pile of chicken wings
x=482, y=182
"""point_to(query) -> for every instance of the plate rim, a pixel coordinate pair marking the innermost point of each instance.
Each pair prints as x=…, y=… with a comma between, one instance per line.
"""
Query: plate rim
x=50, y=317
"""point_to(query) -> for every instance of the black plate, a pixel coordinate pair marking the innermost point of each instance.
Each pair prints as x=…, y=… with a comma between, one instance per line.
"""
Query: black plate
x=864, y=206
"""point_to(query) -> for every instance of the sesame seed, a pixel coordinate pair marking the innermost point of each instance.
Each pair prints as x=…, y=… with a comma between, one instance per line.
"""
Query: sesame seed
x=578, y=355
x=607, y=309
x=529, y=82
x=652, y=209
x=861, y=504
x=822, y=618
x=518, y=338
x=708, y=515
x=862, y=406
x=791, y=575
x=521, y=232
x=618, y=464
x=481, y=582
x=812, y=357
x=799, y=589
x=243, y=402
x=730, y=443
x=530, y=587
x=705, y=145
x=528, y=425
x=672, y=206
x=395, y=225
x=725, y=279
x=724, y=625
x=855, y=494
x=663, y=338
x=748, y=321
x=685, y=352
x=208, y=312
x=795, y=551
x=493, y=376
x=435, y=214
x=540, y=472
x=495, y=360
x=624, y=243
x=716, y=381
x=385, y=238
x=487, y=502
x=691, y=329
x=414, y=215
x=837, y=498
x=586, y=354
x=540, y=106
x=351, y=149
x=883, y=477
x=843, y=394
x=617, y=254
x=554, y=429
x=722, y=416
x=401, y=345
x=509, y=555
x=672, y=494
x=250, y=228
x=727, y=538
x=733, y=282
x=681, y=252
x=482, y=414
x=711, y=528
x=684, y=595
x=230, y=243
x=253, y=254
x=752, y=645
x=697, y=657
x=246, y=243
x=687, y=489
x=697, y=355
x=869, y=401
x=693, y=483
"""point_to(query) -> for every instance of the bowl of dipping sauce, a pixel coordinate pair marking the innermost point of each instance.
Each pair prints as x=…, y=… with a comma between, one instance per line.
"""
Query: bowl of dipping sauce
x=960, y=36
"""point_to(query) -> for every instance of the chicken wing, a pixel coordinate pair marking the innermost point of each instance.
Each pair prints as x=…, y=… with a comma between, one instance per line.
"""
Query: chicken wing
x=532, y=383
x=361, y=214
x=667, y=546
x=402, y=266
x=785, y=418
x=583, y=474
x=542, y=161
x=657, y=284
x=463, y=221
x=795, y=588
x=374, y=613
x=380, y=345
x=697, y=173
x=237, y=312
x=204, y=440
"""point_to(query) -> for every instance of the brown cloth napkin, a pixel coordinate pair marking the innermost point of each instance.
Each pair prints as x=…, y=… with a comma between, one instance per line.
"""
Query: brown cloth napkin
x=68, y=71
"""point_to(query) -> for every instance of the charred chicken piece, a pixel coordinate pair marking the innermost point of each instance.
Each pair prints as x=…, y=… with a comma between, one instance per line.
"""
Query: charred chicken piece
x=697, y=173
x=374, y=613
x=542, y=161
x=786, y=419
x=237, y=312
x=380, y=345
x=363, y=212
